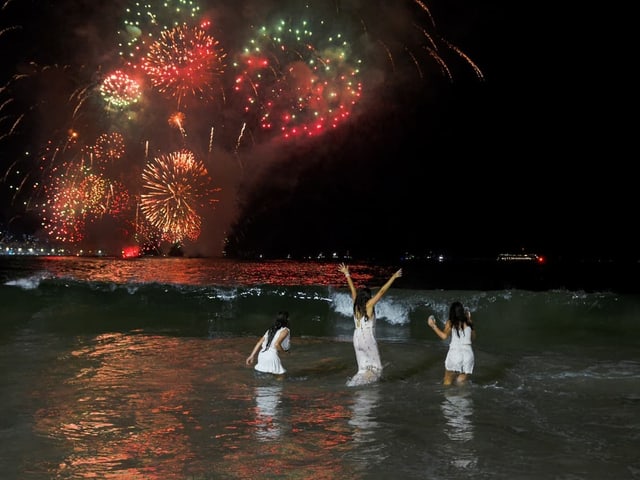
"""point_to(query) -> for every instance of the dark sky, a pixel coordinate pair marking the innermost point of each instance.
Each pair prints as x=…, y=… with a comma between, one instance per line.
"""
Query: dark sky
x=530, y=156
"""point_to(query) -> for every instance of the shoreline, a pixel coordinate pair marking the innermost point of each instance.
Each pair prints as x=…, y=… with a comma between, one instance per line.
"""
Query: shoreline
x=465, y=273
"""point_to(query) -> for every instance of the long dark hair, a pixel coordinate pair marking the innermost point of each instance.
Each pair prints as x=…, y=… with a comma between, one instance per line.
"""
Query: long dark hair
x=360, y=303
x=282, y=320
x=458, y=317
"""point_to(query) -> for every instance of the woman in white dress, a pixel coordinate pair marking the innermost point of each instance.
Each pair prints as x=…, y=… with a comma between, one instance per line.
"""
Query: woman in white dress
x=364, y=333
x=275, y=340
x=460, y=360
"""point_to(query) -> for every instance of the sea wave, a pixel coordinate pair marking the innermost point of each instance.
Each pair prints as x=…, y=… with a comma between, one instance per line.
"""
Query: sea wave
x=29, y=283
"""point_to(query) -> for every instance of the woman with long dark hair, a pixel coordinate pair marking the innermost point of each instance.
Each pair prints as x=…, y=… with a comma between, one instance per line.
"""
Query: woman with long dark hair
x=460, y=360
x=364, y=333
x=276, y=339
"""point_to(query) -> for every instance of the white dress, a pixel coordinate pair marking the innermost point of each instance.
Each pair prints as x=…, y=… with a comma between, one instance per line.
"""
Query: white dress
x=269, y=360
x=367, y=353
x=460, y=356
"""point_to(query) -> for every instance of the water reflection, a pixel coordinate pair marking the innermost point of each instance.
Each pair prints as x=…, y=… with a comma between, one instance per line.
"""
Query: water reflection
x=457, y=408
x=125, y=412
x=268, y=413
x=363, y=417
x=365, y=423
x=205, y=271
x=125, y=406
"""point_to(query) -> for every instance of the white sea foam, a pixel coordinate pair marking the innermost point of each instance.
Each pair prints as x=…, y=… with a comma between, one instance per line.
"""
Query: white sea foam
x=29, y=283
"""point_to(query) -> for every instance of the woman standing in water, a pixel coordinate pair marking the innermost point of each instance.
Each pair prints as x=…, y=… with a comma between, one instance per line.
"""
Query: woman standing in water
x=275, y=340
x=458, y=364
x=364, y=333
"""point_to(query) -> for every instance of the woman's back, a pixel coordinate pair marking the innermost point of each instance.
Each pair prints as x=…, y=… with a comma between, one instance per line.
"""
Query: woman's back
x=461, y=336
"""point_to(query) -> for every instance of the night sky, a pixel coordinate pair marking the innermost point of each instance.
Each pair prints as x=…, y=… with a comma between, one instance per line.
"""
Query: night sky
x=528, y=156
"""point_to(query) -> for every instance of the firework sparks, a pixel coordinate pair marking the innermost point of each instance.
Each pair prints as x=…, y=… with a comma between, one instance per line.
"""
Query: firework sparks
x=294, y=78
x=185, y=62
x=175, y=188
x=177, y=120
x=108, y=148
x=299, y=83
x=145, y=21
x=244, y=125
x=74, y=198
x=118, y=89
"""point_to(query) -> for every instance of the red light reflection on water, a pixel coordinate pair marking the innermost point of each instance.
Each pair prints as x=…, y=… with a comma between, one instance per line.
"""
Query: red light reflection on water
x=123, y=415
x=198, y=271
x=134, y=406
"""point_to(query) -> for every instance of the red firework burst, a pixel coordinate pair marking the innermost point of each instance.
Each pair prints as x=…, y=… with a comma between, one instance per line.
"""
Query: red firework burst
x=185, y=62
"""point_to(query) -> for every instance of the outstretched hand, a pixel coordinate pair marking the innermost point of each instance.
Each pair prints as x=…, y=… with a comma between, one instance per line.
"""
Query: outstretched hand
x=343, y=268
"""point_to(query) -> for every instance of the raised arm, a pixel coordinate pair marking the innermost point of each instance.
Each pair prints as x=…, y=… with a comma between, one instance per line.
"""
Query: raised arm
x=443, y=334
x=344, y=269
x=384, y=288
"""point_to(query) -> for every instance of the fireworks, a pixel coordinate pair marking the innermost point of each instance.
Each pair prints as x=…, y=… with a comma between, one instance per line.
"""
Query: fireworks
x=296, y=81
x=185, y=61
x=402, y=37
x=78, y=197
x=64, y=217
x=175, y=188
x=108, y=148
x=120, y=90
x=145, y=20
x=92, y=128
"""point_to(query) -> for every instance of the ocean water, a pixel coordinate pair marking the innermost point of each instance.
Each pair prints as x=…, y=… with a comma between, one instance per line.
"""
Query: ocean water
x=135, y=369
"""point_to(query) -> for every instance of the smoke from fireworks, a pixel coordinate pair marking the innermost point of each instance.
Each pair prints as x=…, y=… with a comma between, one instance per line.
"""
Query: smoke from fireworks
x=297, y=72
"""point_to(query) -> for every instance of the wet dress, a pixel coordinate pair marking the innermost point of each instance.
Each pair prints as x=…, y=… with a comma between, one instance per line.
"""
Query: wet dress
x=269, y=360
x=367, y=353
x=460, y=356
